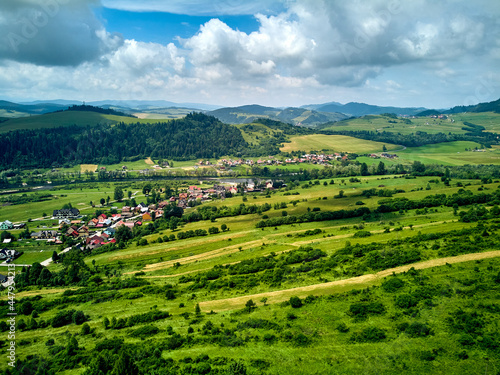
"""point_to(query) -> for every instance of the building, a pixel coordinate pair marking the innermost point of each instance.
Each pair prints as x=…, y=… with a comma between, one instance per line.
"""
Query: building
x=66, y=213
x=6, y=225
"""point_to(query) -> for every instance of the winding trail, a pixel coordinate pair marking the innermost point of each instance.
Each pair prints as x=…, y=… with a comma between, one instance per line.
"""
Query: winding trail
x=338, y=285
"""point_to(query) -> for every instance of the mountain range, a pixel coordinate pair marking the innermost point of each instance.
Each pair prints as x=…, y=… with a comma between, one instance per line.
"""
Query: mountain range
x=308, y=115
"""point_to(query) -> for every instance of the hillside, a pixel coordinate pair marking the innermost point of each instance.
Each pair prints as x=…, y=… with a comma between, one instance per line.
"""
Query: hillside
x=63, y=119
x=296, y=116
x=14, y=110
x=362, y=274
x=493, y=106
x=362, y=109
x=195, y=136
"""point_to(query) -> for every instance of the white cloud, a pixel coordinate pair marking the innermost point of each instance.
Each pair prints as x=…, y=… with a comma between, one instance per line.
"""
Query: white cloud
x=315, y=48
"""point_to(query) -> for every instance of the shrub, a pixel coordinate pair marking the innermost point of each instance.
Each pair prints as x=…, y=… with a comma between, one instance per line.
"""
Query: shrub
x=370, y=334
x=79, y=317
x=295, y=302
x=393, y=284
x=416, y=329
x=85, y=329
x=362, y=234
x=145, y=331
x=362, y=309
x=405, y=301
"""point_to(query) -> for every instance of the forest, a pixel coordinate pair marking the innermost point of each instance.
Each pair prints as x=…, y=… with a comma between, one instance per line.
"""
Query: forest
x=193, y=137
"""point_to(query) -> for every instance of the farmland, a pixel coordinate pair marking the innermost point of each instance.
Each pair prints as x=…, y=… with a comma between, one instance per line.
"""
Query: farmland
x=324, y=267
x=305, y=312
x=335, y=143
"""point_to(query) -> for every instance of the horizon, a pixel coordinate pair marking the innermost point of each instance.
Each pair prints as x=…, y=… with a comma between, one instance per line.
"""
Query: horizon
x=231, y=53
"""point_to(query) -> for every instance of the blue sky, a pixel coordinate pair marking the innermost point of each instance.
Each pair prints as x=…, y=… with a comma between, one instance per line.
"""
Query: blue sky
x=236, y=52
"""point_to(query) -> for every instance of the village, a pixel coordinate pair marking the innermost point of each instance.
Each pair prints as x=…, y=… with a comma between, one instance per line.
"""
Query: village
x=89, y=234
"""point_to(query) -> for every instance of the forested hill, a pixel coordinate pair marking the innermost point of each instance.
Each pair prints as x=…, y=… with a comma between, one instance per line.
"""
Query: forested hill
x=104, y=111
x=195, y=136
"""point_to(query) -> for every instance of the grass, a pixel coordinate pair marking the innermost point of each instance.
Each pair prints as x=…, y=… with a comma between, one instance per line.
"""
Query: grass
x=335, y=143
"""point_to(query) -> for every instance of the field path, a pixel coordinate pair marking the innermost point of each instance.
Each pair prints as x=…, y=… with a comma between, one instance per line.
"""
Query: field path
x=338, y=285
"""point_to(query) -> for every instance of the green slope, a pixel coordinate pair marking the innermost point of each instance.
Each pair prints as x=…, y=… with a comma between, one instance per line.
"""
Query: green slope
x=52, y=120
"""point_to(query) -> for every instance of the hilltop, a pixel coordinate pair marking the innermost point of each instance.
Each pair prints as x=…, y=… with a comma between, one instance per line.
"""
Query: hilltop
x=296, y=116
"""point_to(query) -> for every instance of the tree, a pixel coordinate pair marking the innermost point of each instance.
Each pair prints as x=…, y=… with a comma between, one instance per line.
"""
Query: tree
x=102, y=201
x=363, y=169
x=146, y=189
x=295, y=302
x=79, y=317
x=124, y=365
x=105, y=322
x=118, y=194
x=129, y=194
x=250, y=306
x=384, y=149
x=85, y=329
x=108, y=199
x=197, y=310
x=55, y=257
x=223, y=227
x=381, y=168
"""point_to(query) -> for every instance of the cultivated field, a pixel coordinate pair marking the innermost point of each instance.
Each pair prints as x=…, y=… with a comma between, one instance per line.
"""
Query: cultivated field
x=335, y=143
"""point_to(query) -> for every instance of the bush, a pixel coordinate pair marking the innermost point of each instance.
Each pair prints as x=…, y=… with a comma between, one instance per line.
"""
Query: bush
x=145, y=331
x=362, y=234
x=393, y=284
x=405, y=301
x=295, y=302
x=62, y=318
x=85, y=329
x=79, y=317
x=362, y=309
x=370, y=334
x=416, y=329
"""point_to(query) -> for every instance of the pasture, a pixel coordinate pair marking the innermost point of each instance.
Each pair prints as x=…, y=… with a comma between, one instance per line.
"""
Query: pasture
x=335, y=143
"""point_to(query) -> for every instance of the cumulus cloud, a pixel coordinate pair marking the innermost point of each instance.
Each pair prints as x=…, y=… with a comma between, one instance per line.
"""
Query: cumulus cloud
x=53, y=32
x=343, y=43
x=309, y=50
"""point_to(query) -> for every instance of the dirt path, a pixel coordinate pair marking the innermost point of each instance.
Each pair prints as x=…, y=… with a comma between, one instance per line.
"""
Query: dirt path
x=339, y=285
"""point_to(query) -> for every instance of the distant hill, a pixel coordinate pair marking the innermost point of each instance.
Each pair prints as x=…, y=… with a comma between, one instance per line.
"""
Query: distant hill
x=493, y=106
x=362, y=109
x=65, y=118
x=428, y=112
x=296, y=116
x=128, y=107
x=12, y=110
x=91, y=108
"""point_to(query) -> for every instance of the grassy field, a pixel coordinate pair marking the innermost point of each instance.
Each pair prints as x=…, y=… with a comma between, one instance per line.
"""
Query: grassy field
x=335, y=143
x=326, y=335
x=450, y=153
x=453, y=124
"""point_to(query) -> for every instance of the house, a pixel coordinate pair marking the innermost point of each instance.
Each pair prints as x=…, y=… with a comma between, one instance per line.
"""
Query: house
x=66, y=213
x=94, y=242
x=147, y=217
x=44, y=234
x=6, y=254
x=19, y=226
x=93, y=223
x=83, y=231
x=110, y=231
x=6, y=225
x=64, y=222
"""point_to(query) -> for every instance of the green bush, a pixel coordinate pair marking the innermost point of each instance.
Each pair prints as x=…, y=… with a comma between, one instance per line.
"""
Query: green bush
x=370, y=334
x=393, y=284
x=295, y=302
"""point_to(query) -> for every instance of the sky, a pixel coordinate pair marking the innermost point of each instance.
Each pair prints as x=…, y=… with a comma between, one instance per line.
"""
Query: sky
x=419, y=53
